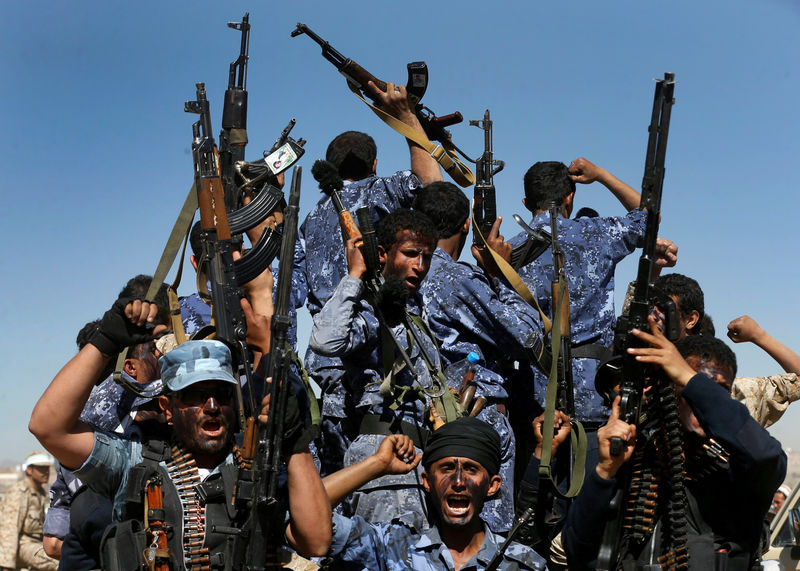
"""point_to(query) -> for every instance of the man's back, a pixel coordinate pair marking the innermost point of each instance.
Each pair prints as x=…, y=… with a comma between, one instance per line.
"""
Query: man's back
x=592, y=249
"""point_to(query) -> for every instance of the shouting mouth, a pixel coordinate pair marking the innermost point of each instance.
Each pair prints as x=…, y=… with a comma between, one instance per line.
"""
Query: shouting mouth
x=212, y=427
x=458, y=504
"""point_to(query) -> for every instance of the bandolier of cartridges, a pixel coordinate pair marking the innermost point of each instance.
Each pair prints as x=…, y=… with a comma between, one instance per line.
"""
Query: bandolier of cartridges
x=657, y=465
x=182, y=470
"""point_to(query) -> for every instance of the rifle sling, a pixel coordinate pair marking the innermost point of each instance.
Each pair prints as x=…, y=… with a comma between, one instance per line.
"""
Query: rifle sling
x=445, y=154
x=578, y=434
x=180, y=233
x=512, y=277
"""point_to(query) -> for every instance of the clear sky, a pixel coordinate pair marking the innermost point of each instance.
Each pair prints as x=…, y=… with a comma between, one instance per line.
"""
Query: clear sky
x=96, y=147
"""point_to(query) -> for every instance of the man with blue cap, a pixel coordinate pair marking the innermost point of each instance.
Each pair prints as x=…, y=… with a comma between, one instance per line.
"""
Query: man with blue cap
x=194, y=473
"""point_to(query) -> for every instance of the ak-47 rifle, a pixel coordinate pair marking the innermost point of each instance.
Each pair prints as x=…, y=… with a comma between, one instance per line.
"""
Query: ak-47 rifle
x=358, y=77
x=233, y=136
x=217, y=265
x=565, y=396
x=263, y=529
x=485, y=200
x=633, y=377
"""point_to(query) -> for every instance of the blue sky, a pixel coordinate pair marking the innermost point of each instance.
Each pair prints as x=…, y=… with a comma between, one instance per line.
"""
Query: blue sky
x=97, y=160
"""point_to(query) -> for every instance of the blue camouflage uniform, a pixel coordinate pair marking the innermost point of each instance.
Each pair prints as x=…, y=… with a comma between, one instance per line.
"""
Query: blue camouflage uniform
x=107, y=468
x=108, y=408
x=466, y=314
x=592, y=249
x=347, y=327
x=325, y=264
x=195, y=313
x=398, y=546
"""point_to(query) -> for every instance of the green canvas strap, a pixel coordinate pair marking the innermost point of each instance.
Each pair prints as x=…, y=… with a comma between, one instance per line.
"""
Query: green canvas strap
x=512, y=277
x=313, y=405
x=179, y=234
x=578, y=434
x=445, y=402
x=445, y=154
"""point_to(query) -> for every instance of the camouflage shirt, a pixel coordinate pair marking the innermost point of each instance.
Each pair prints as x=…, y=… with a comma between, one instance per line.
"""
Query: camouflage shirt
x=347, y=327
x=592, y=249
x=466, y=315
x=21, y=521
x=325, y=264
x=321, y=236
x=767, y=398
x=398, y=546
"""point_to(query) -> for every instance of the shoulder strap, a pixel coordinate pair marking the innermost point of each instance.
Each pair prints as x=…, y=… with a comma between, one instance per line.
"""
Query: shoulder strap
x=512, y=277
x=445, y=154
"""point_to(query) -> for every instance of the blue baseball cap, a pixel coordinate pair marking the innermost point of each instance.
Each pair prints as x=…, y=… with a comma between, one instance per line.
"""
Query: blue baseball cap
x=194, y=362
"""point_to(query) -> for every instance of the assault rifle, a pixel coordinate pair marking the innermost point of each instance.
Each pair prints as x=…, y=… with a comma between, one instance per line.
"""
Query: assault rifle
x=264, y=528
x=565, y=396
x=485, y=200
x=622, y=369
x=358, y=77
x=233, y=136
x=217, y=265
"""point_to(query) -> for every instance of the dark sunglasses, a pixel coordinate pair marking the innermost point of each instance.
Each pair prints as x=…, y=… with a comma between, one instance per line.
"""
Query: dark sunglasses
x=197, y=396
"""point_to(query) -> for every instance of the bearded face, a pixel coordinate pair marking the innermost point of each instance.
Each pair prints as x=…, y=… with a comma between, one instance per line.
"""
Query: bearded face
x=203, y=420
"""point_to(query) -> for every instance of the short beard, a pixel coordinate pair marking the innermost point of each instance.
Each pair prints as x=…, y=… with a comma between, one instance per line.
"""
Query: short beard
x=186, y=428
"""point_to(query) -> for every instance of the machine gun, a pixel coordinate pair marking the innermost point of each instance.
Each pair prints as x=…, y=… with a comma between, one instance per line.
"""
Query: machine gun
x=624, y=369
x=358, y=77
x=633, y=377
x=484, y=209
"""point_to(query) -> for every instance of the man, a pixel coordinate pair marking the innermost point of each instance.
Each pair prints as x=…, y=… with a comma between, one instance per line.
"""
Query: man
x=384, y=394
x=22, y=518
x=354, y=154
x=767, y=398
x=199, y=405
x=689, y=301
x=461, y=463
x=732, y=468
x=592, y=249
x=780, y=497
x=474, y=310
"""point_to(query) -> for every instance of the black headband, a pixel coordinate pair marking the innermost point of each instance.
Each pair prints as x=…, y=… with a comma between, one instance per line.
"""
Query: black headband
x=465, y=437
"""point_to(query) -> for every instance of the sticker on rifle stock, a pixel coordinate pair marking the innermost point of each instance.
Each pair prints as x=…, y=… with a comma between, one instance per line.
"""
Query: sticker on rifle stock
x=281, y=158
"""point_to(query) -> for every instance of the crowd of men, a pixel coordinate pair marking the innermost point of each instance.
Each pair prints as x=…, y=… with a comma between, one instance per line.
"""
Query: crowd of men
x=429, y=439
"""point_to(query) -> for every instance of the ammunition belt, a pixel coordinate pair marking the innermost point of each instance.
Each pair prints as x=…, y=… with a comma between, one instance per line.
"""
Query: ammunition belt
x=182, y=470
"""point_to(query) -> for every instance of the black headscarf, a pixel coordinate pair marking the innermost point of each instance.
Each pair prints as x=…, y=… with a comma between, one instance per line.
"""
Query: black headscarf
x=466, y=437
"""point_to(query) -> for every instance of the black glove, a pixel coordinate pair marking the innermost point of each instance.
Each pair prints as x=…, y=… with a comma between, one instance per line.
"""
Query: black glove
x=116, y=332
x=298, y=431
